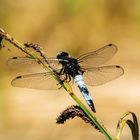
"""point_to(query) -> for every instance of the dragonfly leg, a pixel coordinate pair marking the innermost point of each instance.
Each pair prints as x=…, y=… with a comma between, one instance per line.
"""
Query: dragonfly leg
x=60, y=87
x=60, y=84
x=61, y=72
x=69, y=78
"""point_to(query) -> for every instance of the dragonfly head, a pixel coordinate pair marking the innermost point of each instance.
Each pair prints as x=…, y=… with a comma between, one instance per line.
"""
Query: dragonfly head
x=62, y=55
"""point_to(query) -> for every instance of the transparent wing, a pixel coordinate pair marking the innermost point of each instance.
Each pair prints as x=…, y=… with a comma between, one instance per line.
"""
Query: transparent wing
x=43, y=81
x=28, y=64
x=100, y=75
x=98, y=57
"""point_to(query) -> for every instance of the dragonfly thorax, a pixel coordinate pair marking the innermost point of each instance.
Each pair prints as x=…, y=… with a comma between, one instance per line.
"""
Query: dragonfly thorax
x=70, y=65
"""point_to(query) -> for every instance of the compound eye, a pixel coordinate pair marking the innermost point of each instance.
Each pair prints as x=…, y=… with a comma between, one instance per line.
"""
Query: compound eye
x=62, y=55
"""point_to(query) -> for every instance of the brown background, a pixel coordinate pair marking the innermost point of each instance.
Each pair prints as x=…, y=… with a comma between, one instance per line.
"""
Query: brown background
x=76, y=26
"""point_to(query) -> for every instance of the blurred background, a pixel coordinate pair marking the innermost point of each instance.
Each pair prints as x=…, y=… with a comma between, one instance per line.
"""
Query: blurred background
x=76, y=26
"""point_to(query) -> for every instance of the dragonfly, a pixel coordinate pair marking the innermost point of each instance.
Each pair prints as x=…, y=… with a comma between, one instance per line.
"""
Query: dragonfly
x=87, y=69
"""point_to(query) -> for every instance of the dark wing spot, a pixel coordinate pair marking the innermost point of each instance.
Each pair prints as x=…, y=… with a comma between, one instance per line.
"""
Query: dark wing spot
x=15, y=57
x=117, y=66
x=109, y=44
x=1, y=38
x=18, y=77
x=1, y=45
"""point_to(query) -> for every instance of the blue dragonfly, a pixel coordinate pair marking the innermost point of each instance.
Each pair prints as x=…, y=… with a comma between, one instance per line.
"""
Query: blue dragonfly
x=84, y=70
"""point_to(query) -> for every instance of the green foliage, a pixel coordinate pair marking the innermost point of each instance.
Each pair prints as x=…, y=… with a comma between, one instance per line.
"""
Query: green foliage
x=133, y=125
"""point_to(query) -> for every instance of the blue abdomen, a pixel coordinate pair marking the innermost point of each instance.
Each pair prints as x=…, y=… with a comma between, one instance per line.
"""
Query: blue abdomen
x=85, y=92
